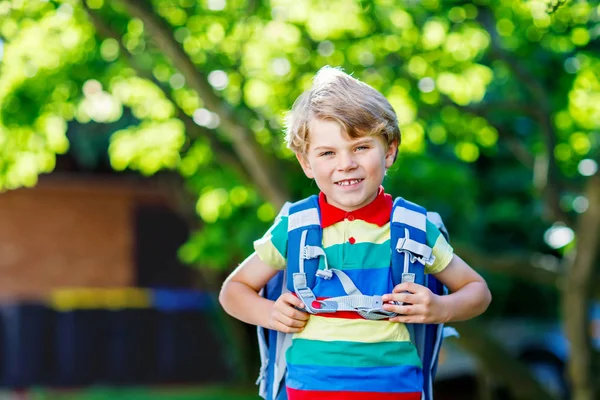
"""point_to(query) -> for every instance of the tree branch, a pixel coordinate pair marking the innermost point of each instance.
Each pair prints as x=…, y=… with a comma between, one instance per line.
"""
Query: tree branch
x=257, y=162
x=576, y=295
x=552, y=188
x=539, y=268
x=193, y=130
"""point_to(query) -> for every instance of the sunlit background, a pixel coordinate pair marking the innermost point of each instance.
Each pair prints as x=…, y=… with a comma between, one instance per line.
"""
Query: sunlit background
x=141, y=153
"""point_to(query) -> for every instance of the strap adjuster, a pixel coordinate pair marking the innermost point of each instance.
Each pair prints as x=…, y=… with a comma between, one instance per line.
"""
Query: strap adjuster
x=326, y=274
x=409, y=247
x=309, y=252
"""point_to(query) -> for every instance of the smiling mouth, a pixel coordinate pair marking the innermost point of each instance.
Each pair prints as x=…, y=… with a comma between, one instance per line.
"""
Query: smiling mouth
x=348, y=182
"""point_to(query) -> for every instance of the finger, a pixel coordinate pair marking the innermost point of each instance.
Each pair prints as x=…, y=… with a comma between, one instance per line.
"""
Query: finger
x=404, y=297
x=294, y=313
x=301, y=315
x=290, y=299
x=287, y=321
x=407, y=287
x=286, y=329
x=405, y=309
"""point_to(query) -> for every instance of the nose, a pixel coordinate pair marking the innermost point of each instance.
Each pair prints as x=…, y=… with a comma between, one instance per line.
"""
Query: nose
x=346, y=162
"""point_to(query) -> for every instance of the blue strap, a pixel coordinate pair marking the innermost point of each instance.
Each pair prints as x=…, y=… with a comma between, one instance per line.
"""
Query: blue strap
x=407, y=219
x=410, y=219
x=304, y=216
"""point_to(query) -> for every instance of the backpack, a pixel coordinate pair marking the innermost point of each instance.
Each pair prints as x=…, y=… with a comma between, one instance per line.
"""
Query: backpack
x=409, y=256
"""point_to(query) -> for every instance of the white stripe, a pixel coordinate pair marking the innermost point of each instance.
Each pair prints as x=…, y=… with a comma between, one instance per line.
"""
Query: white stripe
x=410, y=218
x=303, y=218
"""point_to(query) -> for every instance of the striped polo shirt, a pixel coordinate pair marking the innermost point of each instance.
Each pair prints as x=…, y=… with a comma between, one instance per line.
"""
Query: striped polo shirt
x=341, y=355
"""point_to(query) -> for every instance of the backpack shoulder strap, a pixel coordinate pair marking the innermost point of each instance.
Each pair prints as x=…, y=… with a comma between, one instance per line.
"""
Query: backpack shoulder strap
x=408, y=224
x=410, y=254
x=304, y=229
x=408, y=234
x=272, y=344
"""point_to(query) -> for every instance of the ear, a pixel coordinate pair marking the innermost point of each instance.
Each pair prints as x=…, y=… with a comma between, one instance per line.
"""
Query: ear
x=390, y=155
x=305, y=165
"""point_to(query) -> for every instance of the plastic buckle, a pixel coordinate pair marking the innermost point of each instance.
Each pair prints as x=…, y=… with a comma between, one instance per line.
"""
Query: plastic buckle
x=326, y=274
x=414, y=258
x=308, y=252
x=400, y=244
x=377, y=302
x=305, y=293
x=325, y=306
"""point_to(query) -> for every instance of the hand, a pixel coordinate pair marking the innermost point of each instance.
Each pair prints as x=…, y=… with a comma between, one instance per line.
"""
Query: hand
x=423, y=306
x=284, y=317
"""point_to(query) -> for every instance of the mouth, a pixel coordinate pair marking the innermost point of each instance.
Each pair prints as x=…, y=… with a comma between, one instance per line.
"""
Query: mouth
x=348, y=182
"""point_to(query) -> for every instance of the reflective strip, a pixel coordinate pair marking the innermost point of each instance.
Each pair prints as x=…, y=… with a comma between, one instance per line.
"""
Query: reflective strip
x=409, y=217
x=303, y=218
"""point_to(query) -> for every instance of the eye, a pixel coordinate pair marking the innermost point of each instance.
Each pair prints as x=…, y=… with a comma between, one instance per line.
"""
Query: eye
x=363, y=147
x=326, y=153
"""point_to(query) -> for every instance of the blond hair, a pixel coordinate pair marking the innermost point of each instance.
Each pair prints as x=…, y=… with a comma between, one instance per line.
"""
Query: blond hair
x=336, y=96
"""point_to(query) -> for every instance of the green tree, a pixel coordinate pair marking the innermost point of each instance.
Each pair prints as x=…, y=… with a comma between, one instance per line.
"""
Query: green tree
x=498, y=102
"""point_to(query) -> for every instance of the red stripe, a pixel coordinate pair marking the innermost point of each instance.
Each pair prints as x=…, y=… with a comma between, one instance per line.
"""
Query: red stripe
x=294, y=394
x=338, y=314
x=341, y=315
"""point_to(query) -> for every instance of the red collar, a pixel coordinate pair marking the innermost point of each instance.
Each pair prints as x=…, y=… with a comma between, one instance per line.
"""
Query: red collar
x=376, y=212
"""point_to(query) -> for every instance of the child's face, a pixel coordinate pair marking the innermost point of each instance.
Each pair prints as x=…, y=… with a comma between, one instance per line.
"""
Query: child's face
x=348, y=171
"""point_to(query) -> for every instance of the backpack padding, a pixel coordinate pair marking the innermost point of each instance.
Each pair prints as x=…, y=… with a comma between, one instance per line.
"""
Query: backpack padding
x=303, y=216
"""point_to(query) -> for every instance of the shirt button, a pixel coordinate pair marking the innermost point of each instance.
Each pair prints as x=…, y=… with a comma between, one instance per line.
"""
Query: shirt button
x=350, y=217
x=351, y=240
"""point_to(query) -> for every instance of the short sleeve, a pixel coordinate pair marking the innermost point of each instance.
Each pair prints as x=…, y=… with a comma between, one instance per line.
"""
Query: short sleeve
x=442, y=250
x=272, y=247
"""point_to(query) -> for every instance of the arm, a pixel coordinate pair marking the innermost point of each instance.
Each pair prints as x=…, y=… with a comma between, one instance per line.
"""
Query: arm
x=469, y=294
x=239, y=298
x=469, y=297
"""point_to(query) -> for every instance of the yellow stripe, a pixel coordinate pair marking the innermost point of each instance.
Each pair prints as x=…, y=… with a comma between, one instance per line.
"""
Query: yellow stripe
x=443, y=253
x=268, y=253
x=353, y=330
x=360, y=230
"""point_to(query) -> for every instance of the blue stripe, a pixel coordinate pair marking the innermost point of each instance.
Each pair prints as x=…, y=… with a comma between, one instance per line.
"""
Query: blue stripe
x=373, y=281
x=394, y=379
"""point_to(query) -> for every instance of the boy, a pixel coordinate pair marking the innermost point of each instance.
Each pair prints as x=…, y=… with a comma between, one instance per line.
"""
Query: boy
x=345, y=136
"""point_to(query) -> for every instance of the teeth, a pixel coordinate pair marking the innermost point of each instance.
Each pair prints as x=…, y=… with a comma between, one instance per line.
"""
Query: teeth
x=350, y=182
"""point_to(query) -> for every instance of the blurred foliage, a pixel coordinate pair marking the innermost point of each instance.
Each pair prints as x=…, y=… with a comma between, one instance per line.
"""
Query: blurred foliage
x=479, y=87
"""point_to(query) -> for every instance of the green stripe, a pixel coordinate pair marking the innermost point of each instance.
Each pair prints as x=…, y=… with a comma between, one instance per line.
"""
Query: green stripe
x=352, y=354
x=359, y=255
x=279, y=236
x=432, y=233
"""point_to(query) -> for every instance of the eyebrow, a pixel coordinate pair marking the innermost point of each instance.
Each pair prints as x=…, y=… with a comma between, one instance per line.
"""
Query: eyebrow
x=321, y=148
x=361, y=141
x=367, y=140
